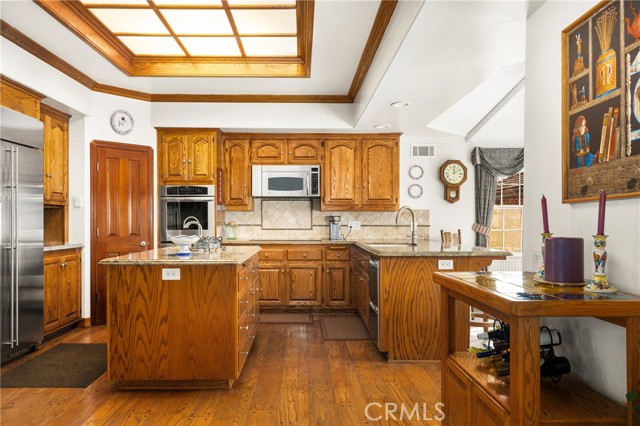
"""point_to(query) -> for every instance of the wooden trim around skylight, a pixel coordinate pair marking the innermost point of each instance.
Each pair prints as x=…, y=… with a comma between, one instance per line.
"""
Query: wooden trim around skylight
x=78, y=19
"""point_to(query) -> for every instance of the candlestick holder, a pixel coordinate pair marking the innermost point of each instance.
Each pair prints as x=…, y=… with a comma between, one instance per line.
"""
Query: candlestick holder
x=599, y=283
x=539, y=276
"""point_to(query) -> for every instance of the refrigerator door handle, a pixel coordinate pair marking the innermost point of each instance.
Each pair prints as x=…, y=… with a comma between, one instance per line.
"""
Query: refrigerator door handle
x=12, y=242
x=15, y=249
x=14, y=245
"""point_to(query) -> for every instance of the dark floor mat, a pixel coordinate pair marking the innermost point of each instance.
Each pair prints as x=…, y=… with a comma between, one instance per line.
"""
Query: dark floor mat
x=68, y=365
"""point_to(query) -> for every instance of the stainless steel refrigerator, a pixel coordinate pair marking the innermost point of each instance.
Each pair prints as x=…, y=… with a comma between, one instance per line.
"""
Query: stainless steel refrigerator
x=21, y=233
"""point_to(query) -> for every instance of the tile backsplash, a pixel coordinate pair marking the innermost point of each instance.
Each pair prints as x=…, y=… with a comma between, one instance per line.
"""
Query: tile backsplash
x=286, y=219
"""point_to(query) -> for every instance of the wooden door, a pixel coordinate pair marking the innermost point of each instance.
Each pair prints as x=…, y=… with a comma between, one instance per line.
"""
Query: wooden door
x=56, y=156
x=121, y=210
x=70, y=290
x=304, y=282
x=272, y=284
x=268, y=151
x=380, y=180
x=337, y=284
x=237, y=175
x=201, y=165
x=303, y=151
x=52, y=283
x=172, y=147
x=341, y=175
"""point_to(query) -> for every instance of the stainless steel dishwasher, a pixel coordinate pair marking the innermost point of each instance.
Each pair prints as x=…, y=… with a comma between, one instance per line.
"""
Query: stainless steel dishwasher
x=374, y=302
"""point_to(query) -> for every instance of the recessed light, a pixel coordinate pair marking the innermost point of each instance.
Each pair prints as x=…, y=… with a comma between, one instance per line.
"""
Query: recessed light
x=382, y=126
x=401, y=104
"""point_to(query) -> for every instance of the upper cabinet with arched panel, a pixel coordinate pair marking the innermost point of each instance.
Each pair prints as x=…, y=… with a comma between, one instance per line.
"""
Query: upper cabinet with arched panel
x=187, y=156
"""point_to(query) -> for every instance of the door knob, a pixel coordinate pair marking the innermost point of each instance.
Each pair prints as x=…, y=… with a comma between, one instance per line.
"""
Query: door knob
x=143, y=244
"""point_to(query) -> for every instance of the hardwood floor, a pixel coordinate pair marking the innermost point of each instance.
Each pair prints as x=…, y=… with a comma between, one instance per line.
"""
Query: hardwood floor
x=292, y=377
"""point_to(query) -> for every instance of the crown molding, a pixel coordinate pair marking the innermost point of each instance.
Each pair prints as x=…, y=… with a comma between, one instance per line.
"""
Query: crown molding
x=379, y=27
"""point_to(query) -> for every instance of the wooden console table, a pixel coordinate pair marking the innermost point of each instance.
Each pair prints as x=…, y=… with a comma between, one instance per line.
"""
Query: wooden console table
x=472, y=393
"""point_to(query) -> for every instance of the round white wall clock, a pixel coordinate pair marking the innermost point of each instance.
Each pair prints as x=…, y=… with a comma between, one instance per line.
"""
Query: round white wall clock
x=416, y=172
x=122, y=122
x=415, y=191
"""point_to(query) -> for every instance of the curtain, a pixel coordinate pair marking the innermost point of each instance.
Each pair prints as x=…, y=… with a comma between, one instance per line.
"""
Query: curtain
x=490, y=164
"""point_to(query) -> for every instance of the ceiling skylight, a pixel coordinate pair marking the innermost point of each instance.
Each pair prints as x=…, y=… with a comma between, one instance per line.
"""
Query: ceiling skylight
x=184, y=22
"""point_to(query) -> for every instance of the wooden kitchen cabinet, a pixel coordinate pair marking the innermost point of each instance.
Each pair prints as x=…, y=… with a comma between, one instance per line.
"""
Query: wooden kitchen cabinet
x=236, y=174
x=272, y=284
x=56, y=156
x=360, y=174
x=304, y=151
x=337, y=284
x=305, y=276
x=187, y=156
x=341, y=175
x=62, y=289
x=360, y=282
x=285, y=151
x=304, y=284
x=380, y=179
x=268, y=151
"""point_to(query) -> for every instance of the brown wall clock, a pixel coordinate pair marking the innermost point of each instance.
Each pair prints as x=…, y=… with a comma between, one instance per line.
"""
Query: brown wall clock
x=452, y=174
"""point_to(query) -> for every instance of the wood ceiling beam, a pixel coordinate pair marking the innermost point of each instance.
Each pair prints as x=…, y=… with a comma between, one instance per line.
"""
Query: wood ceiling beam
x=75, y=17
x=380, y=24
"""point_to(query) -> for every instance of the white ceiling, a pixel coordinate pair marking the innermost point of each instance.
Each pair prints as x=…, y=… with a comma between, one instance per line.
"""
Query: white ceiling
x=434, y=54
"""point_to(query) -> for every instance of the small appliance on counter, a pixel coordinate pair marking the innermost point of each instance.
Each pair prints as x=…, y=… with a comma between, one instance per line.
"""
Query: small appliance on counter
x=334, y=228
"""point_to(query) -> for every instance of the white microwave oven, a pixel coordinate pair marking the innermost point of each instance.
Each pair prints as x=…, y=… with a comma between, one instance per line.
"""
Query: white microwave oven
x=285, y=181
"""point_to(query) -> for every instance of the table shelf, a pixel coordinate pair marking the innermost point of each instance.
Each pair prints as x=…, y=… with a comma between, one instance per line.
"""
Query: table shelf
x=570, y=401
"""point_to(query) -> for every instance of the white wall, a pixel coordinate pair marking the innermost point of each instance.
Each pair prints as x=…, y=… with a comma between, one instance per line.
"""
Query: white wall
x=442, y=214
x=595, y=349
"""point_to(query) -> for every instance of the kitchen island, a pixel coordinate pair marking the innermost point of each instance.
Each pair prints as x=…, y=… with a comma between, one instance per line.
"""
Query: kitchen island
x=178, y=322
x=408, y=318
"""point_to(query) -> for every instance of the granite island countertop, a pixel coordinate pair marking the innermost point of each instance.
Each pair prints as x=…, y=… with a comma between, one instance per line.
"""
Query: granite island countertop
x=392, y=248
x=231, y=255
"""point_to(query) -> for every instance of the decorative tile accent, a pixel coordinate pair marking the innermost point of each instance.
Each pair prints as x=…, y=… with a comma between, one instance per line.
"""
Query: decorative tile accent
x=303, y=220
x=290, y=214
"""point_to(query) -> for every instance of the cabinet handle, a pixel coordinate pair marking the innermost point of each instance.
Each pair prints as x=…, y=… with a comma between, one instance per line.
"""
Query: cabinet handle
x=244, y=302
x=304, y=254
x=184, y=161
x=252, y=337
x=244, y=327
x=252, y=315
x=244, y=353
x=190, y=161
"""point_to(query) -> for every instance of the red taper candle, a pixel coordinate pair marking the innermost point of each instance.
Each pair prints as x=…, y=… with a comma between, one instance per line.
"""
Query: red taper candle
x=601, y=208
x=545, y=216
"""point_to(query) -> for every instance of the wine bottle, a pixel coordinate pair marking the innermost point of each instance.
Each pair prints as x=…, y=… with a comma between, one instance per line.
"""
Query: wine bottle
x=496, y=334
x=498, y=348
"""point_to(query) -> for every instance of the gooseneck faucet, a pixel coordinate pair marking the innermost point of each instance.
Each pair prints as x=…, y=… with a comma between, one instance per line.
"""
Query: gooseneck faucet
x=192, y=220
x=414, y=233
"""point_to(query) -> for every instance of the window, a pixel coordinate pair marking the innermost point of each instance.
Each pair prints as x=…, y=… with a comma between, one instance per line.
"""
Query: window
x=506, y=225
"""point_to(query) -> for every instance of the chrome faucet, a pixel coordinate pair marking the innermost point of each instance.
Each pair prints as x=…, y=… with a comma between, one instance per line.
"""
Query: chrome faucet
x=192, y=220
x=414, y=233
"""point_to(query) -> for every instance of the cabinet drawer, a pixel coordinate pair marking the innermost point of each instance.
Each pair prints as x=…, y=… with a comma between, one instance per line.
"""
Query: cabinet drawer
x=271, y=254
x=338, y=253
x=305, y=254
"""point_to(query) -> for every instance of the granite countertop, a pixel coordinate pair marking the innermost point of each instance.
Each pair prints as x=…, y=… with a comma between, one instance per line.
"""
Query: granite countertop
x=167, y=256
x=64, y=247
x=396, y=248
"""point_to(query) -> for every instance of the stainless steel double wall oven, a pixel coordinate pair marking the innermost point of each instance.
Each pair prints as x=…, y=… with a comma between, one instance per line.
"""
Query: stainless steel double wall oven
x=179, y=202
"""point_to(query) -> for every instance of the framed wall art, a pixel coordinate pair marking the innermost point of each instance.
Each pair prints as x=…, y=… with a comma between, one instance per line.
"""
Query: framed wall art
x=601, y=103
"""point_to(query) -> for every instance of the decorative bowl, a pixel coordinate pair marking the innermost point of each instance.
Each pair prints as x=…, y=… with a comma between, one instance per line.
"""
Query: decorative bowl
x=183, y=239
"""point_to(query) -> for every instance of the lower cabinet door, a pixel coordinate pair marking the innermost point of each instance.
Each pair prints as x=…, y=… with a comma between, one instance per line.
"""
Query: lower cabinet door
x=486, y=411
x=272, y=284
x=70, y=289
x=304, y=283
x=52, y=315
x=457, y=396
x=338, y=284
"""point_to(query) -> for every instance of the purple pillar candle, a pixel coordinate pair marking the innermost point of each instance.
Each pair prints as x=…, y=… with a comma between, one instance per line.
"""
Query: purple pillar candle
x=564, y=260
